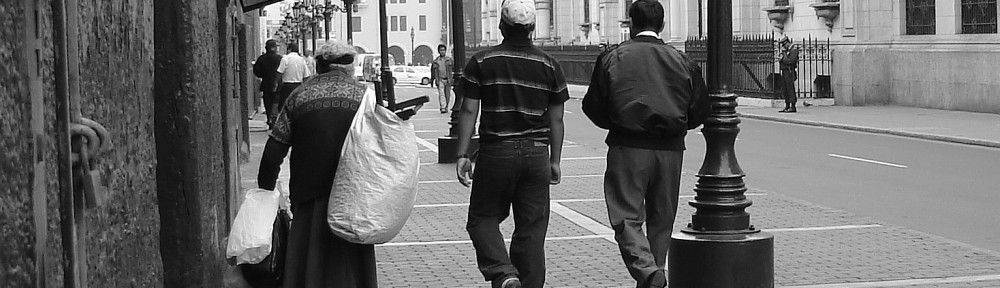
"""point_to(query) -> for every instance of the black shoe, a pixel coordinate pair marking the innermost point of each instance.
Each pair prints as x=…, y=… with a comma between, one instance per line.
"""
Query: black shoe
x=508, y=282
x=792, y=110
x=783, y=110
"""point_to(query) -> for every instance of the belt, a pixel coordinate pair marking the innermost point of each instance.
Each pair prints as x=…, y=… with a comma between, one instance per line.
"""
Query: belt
x=520, y=143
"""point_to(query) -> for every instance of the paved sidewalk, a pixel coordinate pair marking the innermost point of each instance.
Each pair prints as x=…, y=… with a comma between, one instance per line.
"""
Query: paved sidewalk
x=933, y=124
x=815, y=246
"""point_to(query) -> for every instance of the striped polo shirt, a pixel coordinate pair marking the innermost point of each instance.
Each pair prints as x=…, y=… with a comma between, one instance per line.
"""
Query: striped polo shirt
x=515, y=83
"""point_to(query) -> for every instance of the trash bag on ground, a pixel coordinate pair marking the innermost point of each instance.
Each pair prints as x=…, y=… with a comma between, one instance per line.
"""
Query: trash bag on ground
x=268, y=273
x=251, y=235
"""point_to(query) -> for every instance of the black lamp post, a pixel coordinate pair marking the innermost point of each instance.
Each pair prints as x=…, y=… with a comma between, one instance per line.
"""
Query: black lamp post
x=327, y=10
x=720, y=248
x=412, y=49
x=314, y=22
x=448, y=145
x=349, y=7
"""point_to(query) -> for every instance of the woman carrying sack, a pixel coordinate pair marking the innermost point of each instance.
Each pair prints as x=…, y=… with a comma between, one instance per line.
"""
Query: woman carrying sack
x=315, y=120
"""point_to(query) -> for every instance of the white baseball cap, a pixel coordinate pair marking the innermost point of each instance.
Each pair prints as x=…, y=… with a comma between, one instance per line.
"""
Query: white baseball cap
x=520, y=12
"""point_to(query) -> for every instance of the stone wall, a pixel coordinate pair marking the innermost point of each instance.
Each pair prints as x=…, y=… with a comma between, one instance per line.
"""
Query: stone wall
x=882, y=66
x=153, y=74
x=120, y=237
x=17, y=227
x=116, y=81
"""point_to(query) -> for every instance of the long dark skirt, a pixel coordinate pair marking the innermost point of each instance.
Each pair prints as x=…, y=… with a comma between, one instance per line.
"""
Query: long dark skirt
x=318, y=259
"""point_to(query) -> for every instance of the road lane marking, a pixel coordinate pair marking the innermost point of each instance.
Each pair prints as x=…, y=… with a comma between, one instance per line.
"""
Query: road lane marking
x=426, y=144
x=824, y=228
x=866, y=160
x=908, y=282
x=452, y=242
x=583, y=221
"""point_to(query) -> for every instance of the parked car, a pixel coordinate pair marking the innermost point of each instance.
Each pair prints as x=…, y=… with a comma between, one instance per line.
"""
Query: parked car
x=412, y=74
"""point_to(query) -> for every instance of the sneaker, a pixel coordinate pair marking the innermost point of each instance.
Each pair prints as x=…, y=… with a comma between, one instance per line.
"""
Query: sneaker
x=511, y=282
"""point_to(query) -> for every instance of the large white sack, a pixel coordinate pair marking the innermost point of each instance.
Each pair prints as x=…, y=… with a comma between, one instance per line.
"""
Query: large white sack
x=250, y=238
x=376, y=181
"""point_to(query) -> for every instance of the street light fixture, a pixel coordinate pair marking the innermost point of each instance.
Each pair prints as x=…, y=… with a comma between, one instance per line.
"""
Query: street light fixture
x=719, y=248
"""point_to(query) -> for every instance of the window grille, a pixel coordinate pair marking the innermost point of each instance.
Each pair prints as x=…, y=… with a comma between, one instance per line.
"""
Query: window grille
x=920, y=17
x=780, y=2
x=979, y=16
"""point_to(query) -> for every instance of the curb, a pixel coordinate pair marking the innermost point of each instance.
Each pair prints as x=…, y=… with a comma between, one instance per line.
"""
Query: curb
x=952, y=139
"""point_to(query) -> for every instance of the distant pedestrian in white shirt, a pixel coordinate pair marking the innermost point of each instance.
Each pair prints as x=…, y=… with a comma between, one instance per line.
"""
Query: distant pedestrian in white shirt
x=292, y=70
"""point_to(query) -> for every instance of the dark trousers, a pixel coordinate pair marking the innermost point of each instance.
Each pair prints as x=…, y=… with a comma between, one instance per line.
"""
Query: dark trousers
x=269, y=109
x=511, y=174
x=641, y=186
x=788, y=87
x=286, y=90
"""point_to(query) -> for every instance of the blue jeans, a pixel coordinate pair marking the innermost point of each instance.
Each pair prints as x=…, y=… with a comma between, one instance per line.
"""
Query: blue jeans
x=511, y=173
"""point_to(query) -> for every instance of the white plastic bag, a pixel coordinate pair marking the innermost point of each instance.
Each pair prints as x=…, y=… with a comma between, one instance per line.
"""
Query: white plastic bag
x=376, y=181
x=250, y=238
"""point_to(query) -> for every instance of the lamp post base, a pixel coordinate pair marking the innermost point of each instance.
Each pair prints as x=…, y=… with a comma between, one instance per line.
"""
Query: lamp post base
x=448, y=148
x=732, y=260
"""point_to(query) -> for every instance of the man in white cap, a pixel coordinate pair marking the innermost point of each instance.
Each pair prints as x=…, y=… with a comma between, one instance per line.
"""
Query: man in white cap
x=522, y=90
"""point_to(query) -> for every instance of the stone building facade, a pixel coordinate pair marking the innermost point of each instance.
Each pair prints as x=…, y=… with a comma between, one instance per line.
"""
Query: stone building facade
x=881, y=49
x=168, y=80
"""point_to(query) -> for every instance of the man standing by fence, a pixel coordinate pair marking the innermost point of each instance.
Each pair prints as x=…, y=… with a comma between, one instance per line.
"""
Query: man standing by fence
x=647, y=94
x=789, y=62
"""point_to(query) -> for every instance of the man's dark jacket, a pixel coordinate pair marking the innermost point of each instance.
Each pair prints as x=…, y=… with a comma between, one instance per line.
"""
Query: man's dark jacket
x=647, y=94
x=266, y=68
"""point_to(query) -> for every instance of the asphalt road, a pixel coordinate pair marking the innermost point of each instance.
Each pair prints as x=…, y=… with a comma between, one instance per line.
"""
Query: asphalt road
x=945, y=189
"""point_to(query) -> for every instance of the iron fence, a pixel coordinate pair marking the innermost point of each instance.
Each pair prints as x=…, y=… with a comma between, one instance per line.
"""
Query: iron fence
x=755, y=66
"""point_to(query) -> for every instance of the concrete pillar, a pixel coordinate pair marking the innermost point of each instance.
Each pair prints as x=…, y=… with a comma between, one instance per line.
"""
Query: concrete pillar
x=678, y=23
x=543, y=21
x=190, y=168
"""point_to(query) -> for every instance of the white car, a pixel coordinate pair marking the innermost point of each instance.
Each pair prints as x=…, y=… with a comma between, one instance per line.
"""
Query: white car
x=411, y=74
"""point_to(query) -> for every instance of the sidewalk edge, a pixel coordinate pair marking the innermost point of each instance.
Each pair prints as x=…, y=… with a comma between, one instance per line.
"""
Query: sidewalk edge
x=952, y=139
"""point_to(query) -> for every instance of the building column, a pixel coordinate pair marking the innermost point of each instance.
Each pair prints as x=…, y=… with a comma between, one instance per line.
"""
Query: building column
x=678, y=23
x=543, y=20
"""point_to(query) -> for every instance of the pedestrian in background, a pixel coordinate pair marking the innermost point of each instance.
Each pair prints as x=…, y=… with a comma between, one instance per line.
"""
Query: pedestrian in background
x=266, y=68
x=292, y=70
x=789, y=62
x=647, y=94
x=522, y=91
x=315, y=120
x=441, y=75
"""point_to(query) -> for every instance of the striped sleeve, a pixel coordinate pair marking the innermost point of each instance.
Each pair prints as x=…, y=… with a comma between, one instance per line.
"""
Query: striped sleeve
x=560, y=93
x=470, y=82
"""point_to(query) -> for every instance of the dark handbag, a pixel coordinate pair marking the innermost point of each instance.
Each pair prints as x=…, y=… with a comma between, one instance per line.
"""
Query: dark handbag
x=270, y=271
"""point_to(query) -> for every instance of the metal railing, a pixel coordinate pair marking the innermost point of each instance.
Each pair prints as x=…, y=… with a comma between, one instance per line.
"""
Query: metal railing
x=755, y=67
